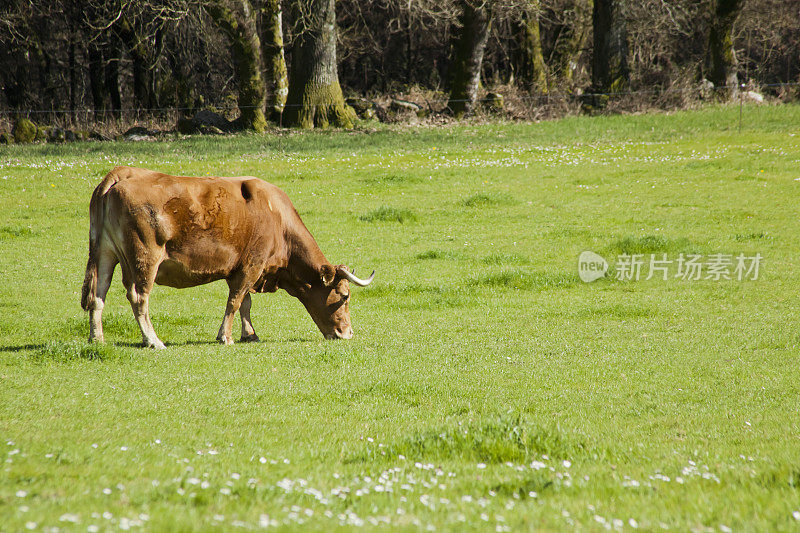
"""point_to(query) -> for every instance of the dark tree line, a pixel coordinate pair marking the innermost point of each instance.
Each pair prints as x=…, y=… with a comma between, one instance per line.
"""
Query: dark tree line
x=294, y=60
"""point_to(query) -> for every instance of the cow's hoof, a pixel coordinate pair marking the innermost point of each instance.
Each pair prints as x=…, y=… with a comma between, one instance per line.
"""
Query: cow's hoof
x=99, y=340
x=156, y=345
x=249, y=338
x=226, y=341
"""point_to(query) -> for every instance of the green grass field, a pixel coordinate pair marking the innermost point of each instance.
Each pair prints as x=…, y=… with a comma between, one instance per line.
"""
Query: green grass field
x=487, y=388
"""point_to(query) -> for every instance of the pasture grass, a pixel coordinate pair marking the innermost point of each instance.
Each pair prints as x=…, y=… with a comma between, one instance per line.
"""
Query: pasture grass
x=389, y=214
x=487, y=387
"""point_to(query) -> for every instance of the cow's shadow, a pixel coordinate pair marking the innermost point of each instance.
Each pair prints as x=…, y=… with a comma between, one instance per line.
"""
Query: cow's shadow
x=22, y=347
x=261, y=341
x=129, y=344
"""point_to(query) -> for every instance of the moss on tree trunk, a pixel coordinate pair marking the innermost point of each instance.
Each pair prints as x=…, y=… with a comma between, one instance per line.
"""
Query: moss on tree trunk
x=530, y=67
x=236, y=19
x=470, y=44
x=610, y=71
x=571, y=42
x=272, y=52
x=321, y=106
x=721, y=62
x=315, y=98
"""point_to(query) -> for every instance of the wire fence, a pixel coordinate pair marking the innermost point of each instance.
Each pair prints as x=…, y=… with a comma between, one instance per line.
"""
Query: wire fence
x=533, y=105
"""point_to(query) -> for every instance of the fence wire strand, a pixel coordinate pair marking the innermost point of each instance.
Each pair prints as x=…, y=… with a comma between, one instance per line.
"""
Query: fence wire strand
x=441, y=103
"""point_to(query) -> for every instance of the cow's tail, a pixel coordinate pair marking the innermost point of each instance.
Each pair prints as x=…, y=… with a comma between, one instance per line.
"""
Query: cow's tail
x=96, y=221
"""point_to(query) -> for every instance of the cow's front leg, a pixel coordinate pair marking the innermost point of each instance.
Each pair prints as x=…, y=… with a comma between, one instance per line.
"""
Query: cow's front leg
x=248, y=333
x=138, y=283
x=140, y=302
x=235, y=298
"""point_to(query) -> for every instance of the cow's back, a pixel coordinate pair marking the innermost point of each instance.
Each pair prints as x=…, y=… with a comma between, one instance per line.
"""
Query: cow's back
x=203, y=227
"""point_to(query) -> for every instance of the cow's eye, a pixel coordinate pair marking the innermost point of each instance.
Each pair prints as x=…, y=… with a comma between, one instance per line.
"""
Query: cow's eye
x=345, y=297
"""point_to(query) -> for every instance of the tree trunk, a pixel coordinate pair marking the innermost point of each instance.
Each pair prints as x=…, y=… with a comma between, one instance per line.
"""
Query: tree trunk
x=530, y=69
x=142, y=60
x=97, y=84
x=12, y=75
x=184, y=84
x=73, y=78
x=236, y=19
x=570, y=43
x=411, y=60
x=44, y=65
x=465, y=74
x=272, y=53
x=610, y=55
x=720, y=54
x=315, y=97
x=112, y=76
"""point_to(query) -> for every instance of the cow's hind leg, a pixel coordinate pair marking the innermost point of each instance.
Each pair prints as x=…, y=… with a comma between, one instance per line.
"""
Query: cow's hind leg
x=248, y=333
x=105, y=271
x=138, y=287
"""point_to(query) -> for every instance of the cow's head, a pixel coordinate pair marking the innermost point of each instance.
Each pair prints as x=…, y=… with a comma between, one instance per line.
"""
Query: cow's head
x=328, y=300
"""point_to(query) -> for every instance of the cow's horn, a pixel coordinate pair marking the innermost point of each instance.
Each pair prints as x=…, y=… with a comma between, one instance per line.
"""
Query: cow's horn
x=353, y=279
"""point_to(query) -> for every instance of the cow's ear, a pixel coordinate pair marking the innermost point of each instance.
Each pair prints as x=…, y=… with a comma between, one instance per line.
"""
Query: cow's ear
x=328, y=274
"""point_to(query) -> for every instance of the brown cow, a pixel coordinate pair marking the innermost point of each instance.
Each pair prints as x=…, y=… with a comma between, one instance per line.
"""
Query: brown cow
x=182, y=232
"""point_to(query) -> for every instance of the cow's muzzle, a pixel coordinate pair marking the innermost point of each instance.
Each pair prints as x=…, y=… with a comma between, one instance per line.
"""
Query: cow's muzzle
x=340, y=333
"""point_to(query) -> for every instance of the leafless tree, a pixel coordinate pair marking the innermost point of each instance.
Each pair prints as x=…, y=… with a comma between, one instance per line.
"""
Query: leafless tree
x=237, y=19
x=315, y=97
x=272, y=52
x=721, y=53
x=59, y=59
x=468, y=49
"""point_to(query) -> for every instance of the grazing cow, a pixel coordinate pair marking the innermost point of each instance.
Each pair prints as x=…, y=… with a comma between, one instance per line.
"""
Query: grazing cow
x=182, y=232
